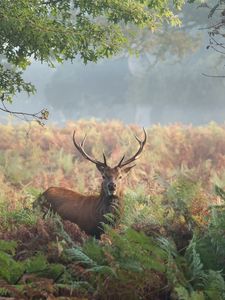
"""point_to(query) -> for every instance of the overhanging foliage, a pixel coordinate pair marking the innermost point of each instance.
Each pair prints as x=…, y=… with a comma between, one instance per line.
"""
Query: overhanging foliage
x=54, y=31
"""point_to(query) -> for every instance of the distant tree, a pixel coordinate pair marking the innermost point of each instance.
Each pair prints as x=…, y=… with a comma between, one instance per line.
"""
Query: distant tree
x=215, y=26
x=133, y=81
x=216, y=29
x=57, y=30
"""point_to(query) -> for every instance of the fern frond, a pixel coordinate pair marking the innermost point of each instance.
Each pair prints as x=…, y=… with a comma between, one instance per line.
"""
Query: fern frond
x=220, y=192
x=214, y=285
x=196, y=273
x=76, y=254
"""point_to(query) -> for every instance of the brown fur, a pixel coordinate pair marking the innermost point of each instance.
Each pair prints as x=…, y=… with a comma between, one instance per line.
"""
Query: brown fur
x=87, y=211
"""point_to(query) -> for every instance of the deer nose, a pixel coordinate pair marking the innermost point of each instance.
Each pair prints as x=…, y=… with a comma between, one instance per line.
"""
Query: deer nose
x=112, y=186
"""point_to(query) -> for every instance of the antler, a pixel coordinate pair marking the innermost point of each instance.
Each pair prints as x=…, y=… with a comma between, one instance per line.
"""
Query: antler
x=123, y=163
x=84, y=154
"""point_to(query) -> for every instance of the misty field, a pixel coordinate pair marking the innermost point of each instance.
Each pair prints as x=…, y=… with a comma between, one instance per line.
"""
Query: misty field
x=170, y=243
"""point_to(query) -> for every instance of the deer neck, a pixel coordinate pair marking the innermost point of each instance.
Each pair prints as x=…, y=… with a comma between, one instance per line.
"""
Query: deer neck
x=107, y=203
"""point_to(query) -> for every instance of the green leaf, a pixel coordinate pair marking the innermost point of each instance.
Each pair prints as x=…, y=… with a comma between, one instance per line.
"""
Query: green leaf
x=39, y=265
x=76, y=254
x=10, y=270
x=220, y=192
x=36, y=264
x=8, y=246
x=105, y=270
x=53, y=271
x=182, y=293
x=50, y=31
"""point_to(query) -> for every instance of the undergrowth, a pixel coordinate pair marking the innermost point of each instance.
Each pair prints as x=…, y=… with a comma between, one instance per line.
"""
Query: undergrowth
x=142, y=259
x=170, y=244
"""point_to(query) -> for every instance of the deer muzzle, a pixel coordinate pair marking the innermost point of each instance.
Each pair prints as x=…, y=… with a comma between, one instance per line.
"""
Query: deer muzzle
x=111, y=188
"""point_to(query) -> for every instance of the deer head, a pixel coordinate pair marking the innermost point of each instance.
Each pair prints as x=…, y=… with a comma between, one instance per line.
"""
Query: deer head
x=112, y=176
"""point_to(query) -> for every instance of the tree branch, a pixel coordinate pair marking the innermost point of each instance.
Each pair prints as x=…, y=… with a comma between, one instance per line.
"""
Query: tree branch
x=39, y=117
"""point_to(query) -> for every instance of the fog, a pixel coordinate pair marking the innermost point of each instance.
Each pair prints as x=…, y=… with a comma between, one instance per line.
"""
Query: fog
x=144, y=89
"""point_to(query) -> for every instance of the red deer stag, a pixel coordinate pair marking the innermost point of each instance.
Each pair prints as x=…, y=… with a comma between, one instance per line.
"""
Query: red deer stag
x=88, y=211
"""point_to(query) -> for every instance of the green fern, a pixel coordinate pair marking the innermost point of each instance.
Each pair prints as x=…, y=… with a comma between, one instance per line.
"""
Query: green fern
x=3, y=291
x=142, y=209
x=175, y=264
x=183, y=294
x=214, y=285
x=8, y=246
x=220, y=192
x=195, y=273
x=212, y=243
x=102, y=270
x=10, y=270
x=76, y=254
x=76, y=286
x=91, y=248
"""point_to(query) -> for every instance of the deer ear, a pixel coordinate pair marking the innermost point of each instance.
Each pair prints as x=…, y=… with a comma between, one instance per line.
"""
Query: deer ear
x=126, y=170
x=100, y=168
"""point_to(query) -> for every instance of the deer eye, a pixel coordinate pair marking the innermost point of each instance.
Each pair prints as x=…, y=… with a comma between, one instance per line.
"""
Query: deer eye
x=103, y=176
x=120, y=177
